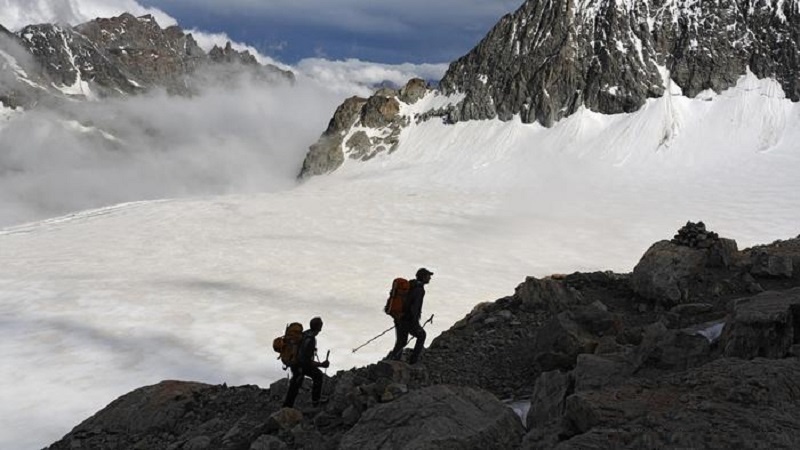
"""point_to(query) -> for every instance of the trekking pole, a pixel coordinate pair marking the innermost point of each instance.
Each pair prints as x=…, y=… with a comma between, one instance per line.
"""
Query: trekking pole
x=376, y=337
x=430, y=320
x=327, y=355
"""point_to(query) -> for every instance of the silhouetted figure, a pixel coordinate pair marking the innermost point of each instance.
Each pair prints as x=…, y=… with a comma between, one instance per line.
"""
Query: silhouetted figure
x=306, y=366
x=408, y=323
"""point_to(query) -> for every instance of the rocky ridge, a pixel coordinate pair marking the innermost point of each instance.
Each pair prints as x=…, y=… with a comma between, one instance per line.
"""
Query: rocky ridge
x=122, y=55
x=598, y=360
x=547, y=60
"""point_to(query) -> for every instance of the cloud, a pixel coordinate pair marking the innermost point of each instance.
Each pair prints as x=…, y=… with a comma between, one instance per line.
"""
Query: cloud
x=341, y=76
x=15, y=14
x=245, y=138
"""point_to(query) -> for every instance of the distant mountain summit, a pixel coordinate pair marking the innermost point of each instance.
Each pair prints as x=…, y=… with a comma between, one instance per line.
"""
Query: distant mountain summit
x=549, y=59
x=112, y=56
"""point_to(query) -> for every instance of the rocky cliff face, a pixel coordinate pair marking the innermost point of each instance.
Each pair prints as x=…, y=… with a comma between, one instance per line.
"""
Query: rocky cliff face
x=112, y=56
x=598, y=360
x=548, y=59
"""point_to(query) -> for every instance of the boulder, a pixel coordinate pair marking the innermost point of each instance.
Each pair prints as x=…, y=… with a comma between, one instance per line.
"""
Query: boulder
x=267, y=442
x=437, y=417
x=549, y=398
x=284, y=419
x=667, y=349
x=570, y=333
x=764, y=264
x=666, y=270
x=546, y=294
x=728, y=403
x=596, y=371
x=766, y=325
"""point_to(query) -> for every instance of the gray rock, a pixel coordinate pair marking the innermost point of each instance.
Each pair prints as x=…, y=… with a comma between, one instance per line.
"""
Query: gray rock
x=666, y=349
x=438, y=417
x=666, y=270
x=284, y=419
x=267, y=442
x=728, y=403
x=327, y=153
x=765, y=325
x=765, y=264
x=692, y=309
x=197, y=443
x=413, y=91
x=570, y=333
x=596, y=371
x=379, y=111
x=546, y=294
x=359, y=145
x=549, y=398
x=386, y=92
x=723, y=253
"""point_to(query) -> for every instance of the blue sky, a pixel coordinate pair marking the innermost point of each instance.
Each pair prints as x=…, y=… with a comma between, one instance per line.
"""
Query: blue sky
x=415, y=31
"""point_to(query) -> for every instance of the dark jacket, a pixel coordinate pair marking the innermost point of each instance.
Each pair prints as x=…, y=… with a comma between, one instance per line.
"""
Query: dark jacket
x=416, y=294
x=308, y=348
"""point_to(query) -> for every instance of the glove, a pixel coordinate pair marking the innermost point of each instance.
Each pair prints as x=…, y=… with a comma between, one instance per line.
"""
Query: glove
x=325, y=364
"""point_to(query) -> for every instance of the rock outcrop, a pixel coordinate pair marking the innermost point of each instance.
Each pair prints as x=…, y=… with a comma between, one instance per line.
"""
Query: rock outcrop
x=595, y=364
x=363, y=128
x=437, y=417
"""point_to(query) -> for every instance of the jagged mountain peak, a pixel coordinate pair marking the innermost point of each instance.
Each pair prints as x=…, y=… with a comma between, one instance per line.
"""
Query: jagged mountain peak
x=119, y=55
x=547, y=59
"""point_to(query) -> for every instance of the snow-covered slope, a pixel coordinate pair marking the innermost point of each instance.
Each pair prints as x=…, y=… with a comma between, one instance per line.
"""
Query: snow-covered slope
x=97, y=303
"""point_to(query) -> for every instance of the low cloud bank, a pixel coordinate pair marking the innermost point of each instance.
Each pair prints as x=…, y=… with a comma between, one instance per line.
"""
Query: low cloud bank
x=249, y=137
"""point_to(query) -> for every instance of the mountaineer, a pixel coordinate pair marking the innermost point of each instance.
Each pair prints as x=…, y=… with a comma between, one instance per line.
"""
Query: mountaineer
x=306, y=366
x=407, y=321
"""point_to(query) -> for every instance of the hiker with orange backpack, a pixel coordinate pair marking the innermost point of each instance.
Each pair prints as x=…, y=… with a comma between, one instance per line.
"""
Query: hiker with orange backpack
x=304, y=365
x=406, y=309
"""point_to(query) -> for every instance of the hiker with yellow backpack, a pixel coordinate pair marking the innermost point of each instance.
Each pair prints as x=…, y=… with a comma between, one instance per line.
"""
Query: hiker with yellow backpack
x=405, y=307
x=297, y=350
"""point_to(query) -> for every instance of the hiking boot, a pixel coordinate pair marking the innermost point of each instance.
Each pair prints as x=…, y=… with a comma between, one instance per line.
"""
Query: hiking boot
x=321, y=401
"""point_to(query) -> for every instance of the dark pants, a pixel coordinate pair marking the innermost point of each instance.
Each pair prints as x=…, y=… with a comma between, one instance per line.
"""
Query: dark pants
x=402, y=329
x=298, y=375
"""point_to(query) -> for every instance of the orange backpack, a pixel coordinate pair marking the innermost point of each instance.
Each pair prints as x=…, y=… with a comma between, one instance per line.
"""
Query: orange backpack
x=396, y=303
x=288, y=345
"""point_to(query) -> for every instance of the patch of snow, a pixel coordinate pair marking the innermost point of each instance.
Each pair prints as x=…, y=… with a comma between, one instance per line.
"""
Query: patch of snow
x=521, y=409
x=712, y=332
x=81, y=128
x=80, y=87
